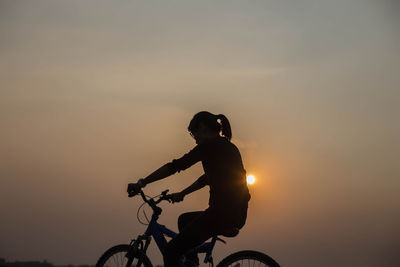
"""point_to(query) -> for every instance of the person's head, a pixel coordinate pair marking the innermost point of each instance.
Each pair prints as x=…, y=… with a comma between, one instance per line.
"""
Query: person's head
x=206, y=125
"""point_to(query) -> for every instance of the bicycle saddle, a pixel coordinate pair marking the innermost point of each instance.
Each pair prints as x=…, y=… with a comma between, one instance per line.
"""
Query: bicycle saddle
x=230, y=232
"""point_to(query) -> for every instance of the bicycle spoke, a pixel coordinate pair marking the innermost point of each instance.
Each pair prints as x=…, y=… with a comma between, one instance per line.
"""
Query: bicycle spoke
x=248, y=262
x=118, y=260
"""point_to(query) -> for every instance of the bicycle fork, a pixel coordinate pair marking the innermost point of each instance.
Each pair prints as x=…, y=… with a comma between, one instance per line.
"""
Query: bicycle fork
x=138, y=245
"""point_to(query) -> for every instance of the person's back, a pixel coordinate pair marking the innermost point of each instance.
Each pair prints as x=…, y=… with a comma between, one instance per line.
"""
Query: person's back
x=226, y=175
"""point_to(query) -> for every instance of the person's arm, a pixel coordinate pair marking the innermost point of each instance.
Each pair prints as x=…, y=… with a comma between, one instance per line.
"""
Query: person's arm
x=166, y=170
x=160, y=173
x=198, y=184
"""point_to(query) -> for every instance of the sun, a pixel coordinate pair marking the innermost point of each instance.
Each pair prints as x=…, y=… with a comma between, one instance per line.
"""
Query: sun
x=250, y=179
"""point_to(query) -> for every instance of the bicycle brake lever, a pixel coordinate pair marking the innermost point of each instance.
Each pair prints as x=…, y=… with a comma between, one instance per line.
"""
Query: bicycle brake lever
x=164, y=197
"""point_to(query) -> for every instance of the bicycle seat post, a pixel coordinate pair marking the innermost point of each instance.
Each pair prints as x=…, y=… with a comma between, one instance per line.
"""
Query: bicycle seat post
x=208, y=258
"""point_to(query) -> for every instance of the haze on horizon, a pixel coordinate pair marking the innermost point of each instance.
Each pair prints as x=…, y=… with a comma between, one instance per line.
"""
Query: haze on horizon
x=96, y=94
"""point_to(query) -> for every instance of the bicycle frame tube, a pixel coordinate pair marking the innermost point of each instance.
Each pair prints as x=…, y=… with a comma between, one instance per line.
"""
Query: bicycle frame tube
x=157, y=231
x=206, y=247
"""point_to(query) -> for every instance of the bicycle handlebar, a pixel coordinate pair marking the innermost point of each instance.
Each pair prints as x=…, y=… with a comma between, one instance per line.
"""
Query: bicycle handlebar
x=153, y=203
x=164, y=196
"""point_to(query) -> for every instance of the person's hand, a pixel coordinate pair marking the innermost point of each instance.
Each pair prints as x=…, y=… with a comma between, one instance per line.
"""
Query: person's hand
x=177, y=197
x=134, y=188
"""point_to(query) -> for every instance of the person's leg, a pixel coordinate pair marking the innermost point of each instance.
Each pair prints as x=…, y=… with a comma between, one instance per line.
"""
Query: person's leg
x=192, y=235
x=186, y=218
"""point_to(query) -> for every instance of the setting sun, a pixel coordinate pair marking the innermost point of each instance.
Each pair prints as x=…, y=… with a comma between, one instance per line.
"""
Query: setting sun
x=250, y=179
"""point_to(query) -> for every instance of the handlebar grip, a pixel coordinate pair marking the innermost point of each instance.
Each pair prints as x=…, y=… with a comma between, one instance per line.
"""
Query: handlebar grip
x=133, y=193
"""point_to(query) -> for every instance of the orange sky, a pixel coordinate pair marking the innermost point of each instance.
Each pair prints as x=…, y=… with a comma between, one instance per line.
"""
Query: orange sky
x=95, y=94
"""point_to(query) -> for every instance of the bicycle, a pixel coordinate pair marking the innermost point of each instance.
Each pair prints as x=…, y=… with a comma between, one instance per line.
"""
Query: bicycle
x=134, y=254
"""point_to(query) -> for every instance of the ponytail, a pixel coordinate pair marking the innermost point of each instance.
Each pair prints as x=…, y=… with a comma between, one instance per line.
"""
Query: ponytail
x=225, y=126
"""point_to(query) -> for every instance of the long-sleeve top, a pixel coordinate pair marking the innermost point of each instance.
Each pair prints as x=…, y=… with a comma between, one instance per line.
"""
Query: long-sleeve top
x=223, y=172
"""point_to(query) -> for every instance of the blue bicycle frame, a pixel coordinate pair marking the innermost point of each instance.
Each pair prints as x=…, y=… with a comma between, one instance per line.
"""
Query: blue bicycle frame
x=159, y=231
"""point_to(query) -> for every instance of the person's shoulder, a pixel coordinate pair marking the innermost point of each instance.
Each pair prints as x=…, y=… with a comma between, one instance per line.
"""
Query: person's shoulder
x=230, y=144
x=225, y=142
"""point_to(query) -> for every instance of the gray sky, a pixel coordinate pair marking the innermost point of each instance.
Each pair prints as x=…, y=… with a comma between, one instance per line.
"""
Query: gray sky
x=95, y=94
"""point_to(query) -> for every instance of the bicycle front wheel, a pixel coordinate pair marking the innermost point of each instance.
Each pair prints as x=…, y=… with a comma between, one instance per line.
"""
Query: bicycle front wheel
x=248, y=258
x=117, y=257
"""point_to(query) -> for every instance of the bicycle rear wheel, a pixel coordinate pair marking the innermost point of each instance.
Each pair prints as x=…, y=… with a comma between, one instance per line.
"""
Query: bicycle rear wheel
x=248, y=258
x=117, y=257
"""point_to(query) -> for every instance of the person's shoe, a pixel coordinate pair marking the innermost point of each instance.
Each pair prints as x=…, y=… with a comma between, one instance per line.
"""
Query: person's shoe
x=190, y=263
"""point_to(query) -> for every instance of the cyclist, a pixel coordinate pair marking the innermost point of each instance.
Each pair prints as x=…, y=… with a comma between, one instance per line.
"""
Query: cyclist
x=223, y=173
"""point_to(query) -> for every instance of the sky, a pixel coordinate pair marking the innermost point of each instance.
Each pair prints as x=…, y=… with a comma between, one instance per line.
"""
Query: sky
x=97, y=94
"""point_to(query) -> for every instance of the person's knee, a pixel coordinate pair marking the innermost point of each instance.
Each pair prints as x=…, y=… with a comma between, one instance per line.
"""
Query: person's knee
x=187, y=218
x=181, y=222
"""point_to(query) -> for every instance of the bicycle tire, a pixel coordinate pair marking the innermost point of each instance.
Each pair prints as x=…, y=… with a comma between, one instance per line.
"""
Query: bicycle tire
x=116, y=257
x=248, y=258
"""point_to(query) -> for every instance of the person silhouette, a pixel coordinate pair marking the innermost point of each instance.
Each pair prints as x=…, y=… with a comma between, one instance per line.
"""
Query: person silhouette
x=223, y=173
